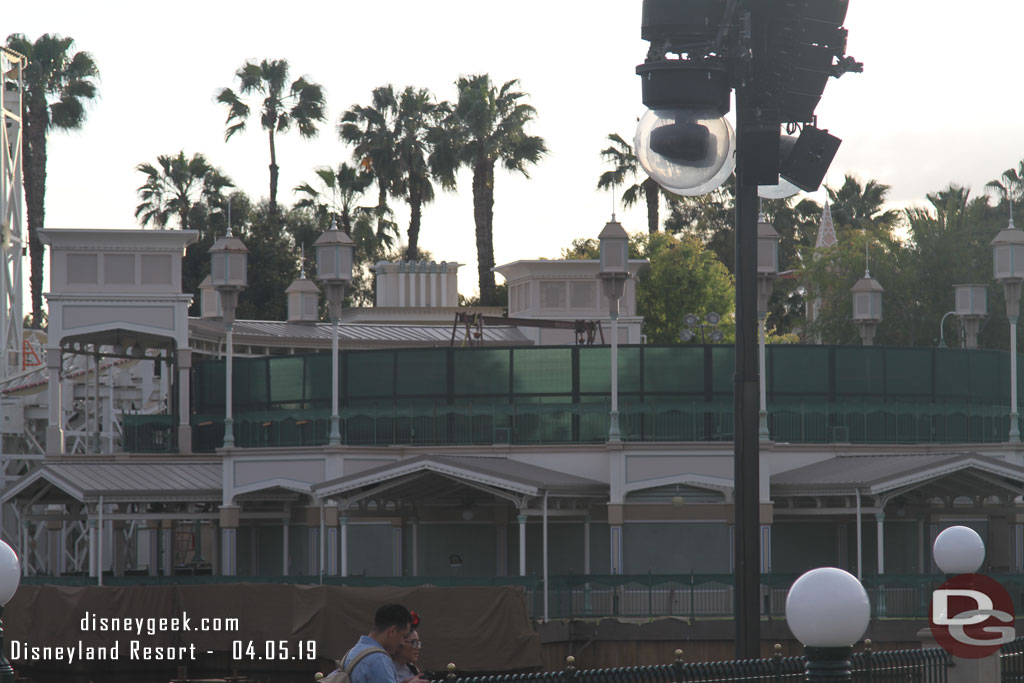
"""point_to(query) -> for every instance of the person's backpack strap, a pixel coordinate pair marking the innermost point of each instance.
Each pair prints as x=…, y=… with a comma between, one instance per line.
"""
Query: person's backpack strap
x=359, y=657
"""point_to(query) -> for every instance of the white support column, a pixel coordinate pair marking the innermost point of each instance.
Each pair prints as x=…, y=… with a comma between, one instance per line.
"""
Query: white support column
x=93, y=549
x=55, y=421
x=285, y=528
x=545, y=541
x=108, y=419
x=860, y=540
x=396, y=549
x=331, y=545
x=586, y=545
x=522, y=545
x=343, y=529
x=153, y=531
x=766, y=548
x=229, y=515
x=184, y=362
x=880, y=521
x=615, y=546
x=167, y=532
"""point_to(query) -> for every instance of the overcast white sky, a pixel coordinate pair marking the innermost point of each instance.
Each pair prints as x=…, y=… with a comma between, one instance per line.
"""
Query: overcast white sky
x=938, y=100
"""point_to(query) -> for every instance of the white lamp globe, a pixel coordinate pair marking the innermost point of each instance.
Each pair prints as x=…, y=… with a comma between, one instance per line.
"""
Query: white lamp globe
x=958, y=550
x=783, y=190
x=10, y=573
x=827, y=607
x=685, y=150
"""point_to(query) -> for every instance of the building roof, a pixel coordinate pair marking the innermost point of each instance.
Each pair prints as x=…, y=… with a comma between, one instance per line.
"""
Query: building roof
x=351, y=335
x=86, y=480
x=496, y=475
x=890, y=474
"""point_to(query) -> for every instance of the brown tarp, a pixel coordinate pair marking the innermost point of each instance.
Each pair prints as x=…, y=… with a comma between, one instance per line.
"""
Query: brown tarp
x=478, y=628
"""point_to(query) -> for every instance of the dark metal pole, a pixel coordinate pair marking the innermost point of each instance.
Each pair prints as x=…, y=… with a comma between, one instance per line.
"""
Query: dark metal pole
x=747, y=406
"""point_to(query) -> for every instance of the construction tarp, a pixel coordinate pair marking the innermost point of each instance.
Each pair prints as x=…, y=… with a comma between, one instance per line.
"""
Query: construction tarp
x=479, y=628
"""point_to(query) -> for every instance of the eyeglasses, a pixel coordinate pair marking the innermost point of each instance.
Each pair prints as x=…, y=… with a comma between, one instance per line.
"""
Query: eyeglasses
x=414, y=644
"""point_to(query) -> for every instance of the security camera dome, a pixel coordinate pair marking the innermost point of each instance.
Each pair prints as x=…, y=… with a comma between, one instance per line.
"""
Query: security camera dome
x=687, y=151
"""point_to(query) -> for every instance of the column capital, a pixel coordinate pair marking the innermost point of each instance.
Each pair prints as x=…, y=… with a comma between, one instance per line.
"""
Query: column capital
x=879, y=516
x=522, y=519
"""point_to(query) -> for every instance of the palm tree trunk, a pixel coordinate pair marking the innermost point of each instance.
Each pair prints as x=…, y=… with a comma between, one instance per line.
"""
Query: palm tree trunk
x=483, y=215
x=273, y=173
x=652, y=194
x=35, y=204
x=382, y=202
x=415, y=213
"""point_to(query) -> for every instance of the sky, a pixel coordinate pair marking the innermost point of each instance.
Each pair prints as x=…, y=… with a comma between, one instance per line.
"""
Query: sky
x=937, y=102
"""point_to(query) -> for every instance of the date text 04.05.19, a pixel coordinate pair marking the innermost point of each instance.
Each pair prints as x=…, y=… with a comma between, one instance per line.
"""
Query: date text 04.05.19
x=272, y=650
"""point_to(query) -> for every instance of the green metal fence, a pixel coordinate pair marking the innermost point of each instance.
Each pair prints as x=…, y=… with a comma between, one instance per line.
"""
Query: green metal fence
x=919, y=666
x=447, y=396
x=694, y=596
x=1011, y=660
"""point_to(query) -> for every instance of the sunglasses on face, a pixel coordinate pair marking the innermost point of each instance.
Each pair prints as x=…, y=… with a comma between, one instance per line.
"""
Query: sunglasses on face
x=414, y=644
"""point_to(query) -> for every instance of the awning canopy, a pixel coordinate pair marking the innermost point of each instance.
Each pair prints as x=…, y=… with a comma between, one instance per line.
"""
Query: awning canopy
x=120, y=482
x=437, y=477
x=887, y=476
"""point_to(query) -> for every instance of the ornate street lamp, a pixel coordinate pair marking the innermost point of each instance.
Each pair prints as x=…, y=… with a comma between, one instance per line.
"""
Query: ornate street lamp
x=613, y=275
x=971, y=304
x=1008, y=269
x=827, y=610
x=229, y=276
x=767, y=271
x=334, y=249
x=867, y=304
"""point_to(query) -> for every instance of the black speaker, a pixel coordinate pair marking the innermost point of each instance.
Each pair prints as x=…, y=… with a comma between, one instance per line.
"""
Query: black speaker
x=812, y=154
x=760, y=158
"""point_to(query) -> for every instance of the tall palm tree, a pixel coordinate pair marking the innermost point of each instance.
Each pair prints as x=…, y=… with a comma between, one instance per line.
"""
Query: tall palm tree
x=58, y=84
x=339, y=191
x=177, y=184
x=486, y=125
x=626, y=166
x=418, y=113
x=861, y=207
x=1010, y=185
x=374, y=131
x=302, y=104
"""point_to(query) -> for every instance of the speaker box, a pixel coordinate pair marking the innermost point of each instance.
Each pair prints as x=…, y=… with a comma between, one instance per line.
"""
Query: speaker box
x=760, y=158
x=812, y=154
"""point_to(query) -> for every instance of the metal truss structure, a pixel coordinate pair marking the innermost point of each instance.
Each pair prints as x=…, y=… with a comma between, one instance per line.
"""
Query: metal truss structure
x=12, y=234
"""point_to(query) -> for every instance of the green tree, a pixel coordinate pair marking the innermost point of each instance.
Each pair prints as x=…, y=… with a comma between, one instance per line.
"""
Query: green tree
x=302, y=104
x=374, y=130
x=683, y=277
x=625, y=167
x=486, y=125
x=175, y=185
x=1010, y=185
x=862, y=207
x=337, y=194
x=58, y=84
x=418, y=113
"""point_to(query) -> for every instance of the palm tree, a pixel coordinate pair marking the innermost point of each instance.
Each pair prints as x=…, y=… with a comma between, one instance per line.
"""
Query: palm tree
x=302, y=104
x=418, y=113
x=339, y=191
x=860, y=208
x=374, y=131
x=625, y=165
x=177, y=184
x=58, y=84
x=486, y=124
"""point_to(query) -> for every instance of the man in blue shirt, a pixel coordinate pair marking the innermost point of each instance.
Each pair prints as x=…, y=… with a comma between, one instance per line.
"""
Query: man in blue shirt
x=391, y=626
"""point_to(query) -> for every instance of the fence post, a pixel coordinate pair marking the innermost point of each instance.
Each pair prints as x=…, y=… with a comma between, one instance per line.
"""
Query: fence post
x=869, y=661
x=777, y=662
x=677, y=667
x=570, y=669
x=451, y=671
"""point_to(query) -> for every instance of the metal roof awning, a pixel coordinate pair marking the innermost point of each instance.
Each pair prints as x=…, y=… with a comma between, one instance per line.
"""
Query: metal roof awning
x=116, y=482
x=433, y=476
x=942, y=474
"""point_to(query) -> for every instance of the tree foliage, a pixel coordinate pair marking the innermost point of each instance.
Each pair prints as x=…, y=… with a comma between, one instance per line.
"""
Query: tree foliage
x=626, y=167
x=300, y=104
x=486, y=125
x=175, y=185
x=58, y=84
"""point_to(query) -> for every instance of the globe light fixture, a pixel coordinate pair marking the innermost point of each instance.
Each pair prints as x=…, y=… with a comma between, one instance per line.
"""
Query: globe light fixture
x=827, y=610
x=10, y=578
x=958, y=550
x=689, y=152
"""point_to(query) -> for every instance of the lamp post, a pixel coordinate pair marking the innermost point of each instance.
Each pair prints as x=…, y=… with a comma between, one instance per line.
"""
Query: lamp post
x=692, y=321
x=334, y=250
x=1008, y=269
x=867, y=304
x=229, y=275
x=778, y=60
x=614, y=271
x=767, y=271
x=971, y=304
x=10, y=577
x=827, y=610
